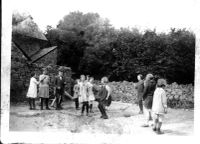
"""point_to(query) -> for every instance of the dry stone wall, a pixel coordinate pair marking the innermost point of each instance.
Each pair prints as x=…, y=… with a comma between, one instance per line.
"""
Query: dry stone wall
x=178, y=96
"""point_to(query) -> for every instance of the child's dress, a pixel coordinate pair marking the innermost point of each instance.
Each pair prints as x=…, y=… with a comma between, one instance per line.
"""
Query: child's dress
x=32, y=90
x=83, y=92
x=159, y=101
x=90, y=91
x=76, y=91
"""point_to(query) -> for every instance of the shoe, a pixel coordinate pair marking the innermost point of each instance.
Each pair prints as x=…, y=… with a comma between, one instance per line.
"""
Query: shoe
x=159, y=132
x=140, y=112
x=58, y=108
x=154, y=129
x=30, y=108
x=105, y=117
x=48, y=108
x=145, y=125
x=101, y=116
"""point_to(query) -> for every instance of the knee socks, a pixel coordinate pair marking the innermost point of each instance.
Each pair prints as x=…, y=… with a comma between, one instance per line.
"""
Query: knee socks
x=85, y=104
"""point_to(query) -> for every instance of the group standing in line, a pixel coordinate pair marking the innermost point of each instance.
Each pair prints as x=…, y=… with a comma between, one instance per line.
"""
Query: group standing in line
x=83, y=93
x=152, y=98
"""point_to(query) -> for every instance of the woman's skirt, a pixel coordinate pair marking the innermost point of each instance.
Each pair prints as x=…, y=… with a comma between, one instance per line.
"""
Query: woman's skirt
x=44, y=92
x=148, y=102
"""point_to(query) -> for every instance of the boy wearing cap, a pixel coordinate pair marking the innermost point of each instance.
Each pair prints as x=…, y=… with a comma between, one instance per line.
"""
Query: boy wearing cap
x=159, y=107
x=59, y=89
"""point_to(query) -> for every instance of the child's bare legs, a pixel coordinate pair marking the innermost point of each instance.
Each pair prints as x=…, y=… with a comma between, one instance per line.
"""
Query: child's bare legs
x=148, y=116
x=159, y=124
x=155, y=120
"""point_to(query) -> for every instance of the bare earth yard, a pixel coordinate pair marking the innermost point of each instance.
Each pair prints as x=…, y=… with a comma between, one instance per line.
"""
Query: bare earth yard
x=123, y=119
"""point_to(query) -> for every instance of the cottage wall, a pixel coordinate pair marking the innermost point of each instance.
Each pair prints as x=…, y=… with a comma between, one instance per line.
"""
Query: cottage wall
x=21, y=73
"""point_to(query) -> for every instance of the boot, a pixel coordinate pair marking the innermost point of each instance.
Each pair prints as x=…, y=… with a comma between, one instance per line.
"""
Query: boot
x=158, y=128
x=83, y=108
x=33, y=100
x=91, y=111
x=47, y=104
x=41, y=106
x=155, y=125
x=30, y=105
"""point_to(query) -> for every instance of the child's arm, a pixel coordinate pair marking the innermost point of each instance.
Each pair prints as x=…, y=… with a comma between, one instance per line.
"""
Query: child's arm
x=164, y=101
x=109, y=91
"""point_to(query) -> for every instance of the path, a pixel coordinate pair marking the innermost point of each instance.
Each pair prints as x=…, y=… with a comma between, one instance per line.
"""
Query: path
x=123, y=119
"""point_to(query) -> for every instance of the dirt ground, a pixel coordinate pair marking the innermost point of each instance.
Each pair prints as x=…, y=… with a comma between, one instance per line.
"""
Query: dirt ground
x=123, y=119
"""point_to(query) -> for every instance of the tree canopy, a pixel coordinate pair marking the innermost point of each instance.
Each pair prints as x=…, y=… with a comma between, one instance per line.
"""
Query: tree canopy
x=90, y=45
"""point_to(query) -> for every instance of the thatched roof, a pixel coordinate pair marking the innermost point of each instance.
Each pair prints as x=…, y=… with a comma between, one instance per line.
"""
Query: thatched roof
x=29, y=39
x=28, y=28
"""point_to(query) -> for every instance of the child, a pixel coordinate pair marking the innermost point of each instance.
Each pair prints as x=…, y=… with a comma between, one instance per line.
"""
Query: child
x=90, y=93
x=104, y=97
x=32, y=91
x=76, y=90
x=159, y=107
x=83, y=95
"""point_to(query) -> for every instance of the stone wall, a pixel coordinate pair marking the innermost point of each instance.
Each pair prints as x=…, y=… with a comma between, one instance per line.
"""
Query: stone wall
x=21, y=73
x=178, y=96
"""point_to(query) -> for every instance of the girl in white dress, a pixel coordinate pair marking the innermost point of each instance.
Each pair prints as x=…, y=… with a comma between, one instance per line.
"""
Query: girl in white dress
x=90, y=93
x=32, y=91
x=159, y=107
x=83, y=95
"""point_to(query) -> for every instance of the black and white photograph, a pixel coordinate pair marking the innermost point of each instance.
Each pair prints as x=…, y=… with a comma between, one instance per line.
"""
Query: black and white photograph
x=89, y=67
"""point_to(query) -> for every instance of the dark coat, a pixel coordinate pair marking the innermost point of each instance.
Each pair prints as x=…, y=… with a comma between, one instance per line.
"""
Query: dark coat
x=101, y=98
x=148, y=93
x=140, y=88
x=59, y=84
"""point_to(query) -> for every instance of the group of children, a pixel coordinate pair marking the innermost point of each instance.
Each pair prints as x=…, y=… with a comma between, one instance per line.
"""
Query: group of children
x=84, y=93
x=152, y=95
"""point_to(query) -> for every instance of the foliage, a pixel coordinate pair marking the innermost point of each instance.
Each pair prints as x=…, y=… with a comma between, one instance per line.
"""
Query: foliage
x=90, y=45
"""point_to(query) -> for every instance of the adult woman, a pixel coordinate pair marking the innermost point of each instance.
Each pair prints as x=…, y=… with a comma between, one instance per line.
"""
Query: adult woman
x=140, y=87
x=149, y=88
x=44, y=89
x=104, y=97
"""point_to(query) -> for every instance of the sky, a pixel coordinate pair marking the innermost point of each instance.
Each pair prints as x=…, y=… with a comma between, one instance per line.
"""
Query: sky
x=142, y=14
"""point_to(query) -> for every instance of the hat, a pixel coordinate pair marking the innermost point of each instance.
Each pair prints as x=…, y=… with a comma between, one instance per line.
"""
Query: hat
x=149, y=76
x=161, y=82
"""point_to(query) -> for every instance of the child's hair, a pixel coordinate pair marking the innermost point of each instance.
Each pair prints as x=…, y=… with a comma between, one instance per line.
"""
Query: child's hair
x=161, y=83
x=105, y=79
x=141, y=76
x=33, y=74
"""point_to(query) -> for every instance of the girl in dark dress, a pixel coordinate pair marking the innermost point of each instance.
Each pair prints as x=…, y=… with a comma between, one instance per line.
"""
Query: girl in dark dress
x=104, y=97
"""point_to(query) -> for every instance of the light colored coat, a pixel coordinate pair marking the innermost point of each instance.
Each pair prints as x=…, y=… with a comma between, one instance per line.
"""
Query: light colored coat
x=159, y=101
x=90, y=91
x=32, y=90
x=83, y=92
